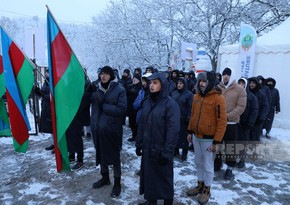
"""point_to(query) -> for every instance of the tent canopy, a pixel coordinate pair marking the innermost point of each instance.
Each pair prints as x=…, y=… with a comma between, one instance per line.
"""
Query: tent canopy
x=272, y=59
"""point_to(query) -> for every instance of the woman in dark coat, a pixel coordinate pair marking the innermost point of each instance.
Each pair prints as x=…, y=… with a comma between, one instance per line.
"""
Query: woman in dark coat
x=156, y=140
x=184, y=98
x=109, y=103
x=45, y=123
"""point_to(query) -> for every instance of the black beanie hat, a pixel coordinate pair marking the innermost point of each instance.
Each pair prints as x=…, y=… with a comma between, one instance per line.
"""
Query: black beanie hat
x=227, y=71
x=108, y=70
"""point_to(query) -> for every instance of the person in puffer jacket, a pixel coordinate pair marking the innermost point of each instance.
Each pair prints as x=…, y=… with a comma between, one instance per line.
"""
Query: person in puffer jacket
x=247, y=119
x=255, y=87
x=275, y=105
x=236, y=100
x=206, y=128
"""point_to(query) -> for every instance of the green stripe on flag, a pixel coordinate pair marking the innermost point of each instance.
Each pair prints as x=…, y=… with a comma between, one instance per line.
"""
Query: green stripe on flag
x=4, y=122
x=68, y=95
x=25, y=80
x=20, y=148
x=2, y=85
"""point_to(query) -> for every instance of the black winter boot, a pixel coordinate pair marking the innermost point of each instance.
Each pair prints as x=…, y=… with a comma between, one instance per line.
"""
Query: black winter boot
x=149, y=202
x=116, y=188
x=184, y=154
x=105, y=180
x=168, y=202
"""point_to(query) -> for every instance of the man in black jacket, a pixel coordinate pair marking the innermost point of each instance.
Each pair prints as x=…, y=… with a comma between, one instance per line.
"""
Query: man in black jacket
x=109, y=104
x=255, y=87
x=247, y=119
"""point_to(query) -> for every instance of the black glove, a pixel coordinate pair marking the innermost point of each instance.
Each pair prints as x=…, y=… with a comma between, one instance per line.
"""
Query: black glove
x=138, y=151
x=162, y=160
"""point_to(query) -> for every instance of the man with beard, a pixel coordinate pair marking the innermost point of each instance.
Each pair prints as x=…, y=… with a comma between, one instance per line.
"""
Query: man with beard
x=206, y=128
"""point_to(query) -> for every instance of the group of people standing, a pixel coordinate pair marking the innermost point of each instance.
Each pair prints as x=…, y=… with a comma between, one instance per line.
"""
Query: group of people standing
x=167, y=111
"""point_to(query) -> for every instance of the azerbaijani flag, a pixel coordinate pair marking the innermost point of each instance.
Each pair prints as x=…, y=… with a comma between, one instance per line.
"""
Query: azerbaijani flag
x=4, y=122
x=19, y=79
x=67, y=82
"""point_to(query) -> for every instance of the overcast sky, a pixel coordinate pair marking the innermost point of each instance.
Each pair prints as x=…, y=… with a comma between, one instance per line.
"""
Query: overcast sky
x=63, y=10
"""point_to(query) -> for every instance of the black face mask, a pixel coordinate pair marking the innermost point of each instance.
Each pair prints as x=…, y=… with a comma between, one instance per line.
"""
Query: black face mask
x=271, y=86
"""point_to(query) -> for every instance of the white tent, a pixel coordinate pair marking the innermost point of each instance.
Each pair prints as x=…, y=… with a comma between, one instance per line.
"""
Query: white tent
x=272, y=59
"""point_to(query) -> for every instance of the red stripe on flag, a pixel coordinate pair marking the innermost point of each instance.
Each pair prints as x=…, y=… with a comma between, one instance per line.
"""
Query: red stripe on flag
x=58, y=157
x=1, y=65
x=61, y=55
x=16, y=58
x=18, y=125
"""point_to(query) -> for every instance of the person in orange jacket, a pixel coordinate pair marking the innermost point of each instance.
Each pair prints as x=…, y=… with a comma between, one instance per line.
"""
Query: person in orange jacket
x=206, y=128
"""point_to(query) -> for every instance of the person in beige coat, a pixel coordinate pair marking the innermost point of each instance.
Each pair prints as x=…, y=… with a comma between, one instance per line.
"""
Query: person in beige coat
x=236, y=100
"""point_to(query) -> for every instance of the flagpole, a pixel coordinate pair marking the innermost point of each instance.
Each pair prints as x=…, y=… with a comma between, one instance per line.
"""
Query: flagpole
x=36, y=68
x=68, y=43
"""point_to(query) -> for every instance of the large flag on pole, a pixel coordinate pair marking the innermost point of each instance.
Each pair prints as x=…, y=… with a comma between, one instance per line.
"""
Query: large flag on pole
x=248, y=39
x=19, y=78
x=67, y=82
x=4, y=122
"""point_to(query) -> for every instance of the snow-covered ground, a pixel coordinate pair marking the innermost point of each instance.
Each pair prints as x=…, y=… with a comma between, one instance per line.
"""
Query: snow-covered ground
x=31, y=178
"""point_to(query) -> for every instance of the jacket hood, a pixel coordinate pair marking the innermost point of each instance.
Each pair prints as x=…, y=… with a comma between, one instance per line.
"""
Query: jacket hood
x=184, y=82
x=209, y=77
x=245, y=81
x=139, y=70
x=232, y=78
x=260, y=77
x=255, y=80
x=272, y=80
x=164, y=84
